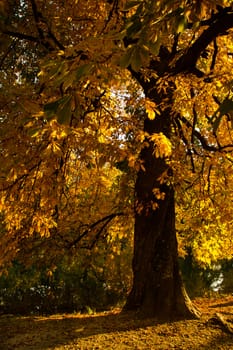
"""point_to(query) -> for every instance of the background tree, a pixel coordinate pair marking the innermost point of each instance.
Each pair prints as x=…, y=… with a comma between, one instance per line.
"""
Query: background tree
x=80, y=116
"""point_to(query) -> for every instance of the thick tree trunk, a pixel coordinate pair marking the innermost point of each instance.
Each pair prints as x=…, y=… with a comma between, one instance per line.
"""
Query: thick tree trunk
x=157, y=286
x=157, y=289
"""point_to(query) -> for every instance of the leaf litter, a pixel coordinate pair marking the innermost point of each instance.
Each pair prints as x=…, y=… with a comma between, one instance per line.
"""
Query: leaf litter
x=115, y=331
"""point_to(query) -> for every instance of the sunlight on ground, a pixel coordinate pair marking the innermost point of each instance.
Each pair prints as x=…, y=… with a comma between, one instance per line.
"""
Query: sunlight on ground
x=112, y=330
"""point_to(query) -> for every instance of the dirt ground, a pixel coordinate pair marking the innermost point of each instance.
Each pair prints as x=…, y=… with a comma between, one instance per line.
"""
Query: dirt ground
x=112, y=330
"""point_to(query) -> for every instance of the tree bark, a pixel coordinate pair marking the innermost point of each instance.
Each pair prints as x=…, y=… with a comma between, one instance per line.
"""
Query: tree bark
x=157, y=289
x=157, y=286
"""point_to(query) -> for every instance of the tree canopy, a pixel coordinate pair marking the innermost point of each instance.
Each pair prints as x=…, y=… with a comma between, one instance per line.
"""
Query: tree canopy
x=88, y=90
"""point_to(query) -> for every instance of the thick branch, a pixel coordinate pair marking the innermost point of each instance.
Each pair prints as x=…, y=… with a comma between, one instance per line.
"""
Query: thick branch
x=188, y=61
x=21, y=36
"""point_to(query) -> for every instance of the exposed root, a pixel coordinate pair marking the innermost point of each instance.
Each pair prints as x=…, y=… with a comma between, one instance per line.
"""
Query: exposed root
x=226, y=325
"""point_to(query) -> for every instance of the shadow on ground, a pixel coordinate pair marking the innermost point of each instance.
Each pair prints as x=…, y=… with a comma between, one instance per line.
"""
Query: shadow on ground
x=50, y=332
x=110, y=331
x=229, y=303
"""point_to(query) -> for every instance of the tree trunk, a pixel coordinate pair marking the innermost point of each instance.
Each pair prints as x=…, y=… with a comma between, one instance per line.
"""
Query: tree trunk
x=157, y=289
x=157, y=286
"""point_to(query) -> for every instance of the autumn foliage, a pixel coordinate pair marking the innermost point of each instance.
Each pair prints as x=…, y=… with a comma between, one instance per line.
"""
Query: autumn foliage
x=79, y=82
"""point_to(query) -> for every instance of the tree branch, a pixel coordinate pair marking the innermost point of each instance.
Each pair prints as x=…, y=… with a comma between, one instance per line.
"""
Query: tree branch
x=21, y=177
x=10, y=48
x=206, y=146
x=220, y=25
x=106, y=220
x=21, y=36
x=214, y=55
x=39, y=19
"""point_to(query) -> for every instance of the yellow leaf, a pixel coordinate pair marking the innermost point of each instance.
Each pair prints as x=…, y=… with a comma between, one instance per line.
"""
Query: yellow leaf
x=49, y=273
x=150, y=109
x=101, y=138
x=163, y=146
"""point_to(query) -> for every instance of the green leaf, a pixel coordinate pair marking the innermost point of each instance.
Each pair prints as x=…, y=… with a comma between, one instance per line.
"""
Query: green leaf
x=51, y=108
x=136, y=56
x=34, y=132
x=226, y=106
x=130, y=4
x=60, y=109
x=64, y=111
x=125, y=60
x=30, y=106
x=154, y=47
x=144, y=53
x=134, y=28
x=181, y=24
x=136, y=60
x=83, y=71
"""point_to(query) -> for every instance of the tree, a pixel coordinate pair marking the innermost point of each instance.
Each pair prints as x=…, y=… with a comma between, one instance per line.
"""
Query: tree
x=157, y=288
x=138, y=86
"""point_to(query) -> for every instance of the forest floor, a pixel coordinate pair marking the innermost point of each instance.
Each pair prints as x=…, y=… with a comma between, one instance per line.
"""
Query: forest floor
x=112, y=330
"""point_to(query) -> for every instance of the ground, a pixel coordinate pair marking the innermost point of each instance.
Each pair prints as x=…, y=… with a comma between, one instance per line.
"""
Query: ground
x=113, y=330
